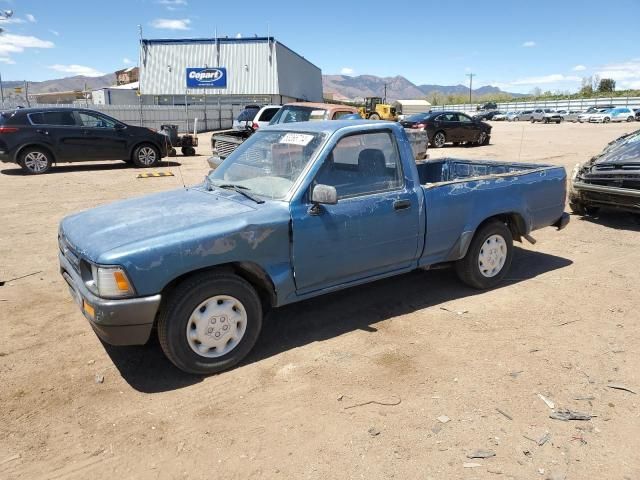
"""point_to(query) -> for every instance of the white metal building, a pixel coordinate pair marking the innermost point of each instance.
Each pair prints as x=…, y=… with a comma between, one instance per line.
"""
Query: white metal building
x=410, y=107
x=225, y=70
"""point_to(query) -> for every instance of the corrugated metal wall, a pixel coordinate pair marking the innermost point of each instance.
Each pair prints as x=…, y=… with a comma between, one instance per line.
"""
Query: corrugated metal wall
x=249, y=68
x=297, y=77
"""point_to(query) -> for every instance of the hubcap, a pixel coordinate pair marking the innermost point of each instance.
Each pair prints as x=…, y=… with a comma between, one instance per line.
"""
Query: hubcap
x=216, y=326
x=36, y=161
x=147, y=155
x=482, y=138
x=439, y=139
x=492, y=256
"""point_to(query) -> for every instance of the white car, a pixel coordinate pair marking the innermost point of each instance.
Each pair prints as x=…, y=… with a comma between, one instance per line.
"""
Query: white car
x=603, y=116
x=623, y=114
x=254, y=116
x=501, y=116
x=569, y=115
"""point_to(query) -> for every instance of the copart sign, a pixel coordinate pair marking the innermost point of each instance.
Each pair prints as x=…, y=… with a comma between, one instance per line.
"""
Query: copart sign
x=207, y=77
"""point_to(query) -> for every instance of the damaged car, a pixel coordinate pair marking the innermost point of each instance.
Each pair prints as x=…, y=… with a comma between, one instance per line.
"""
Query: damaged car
x=610, y=179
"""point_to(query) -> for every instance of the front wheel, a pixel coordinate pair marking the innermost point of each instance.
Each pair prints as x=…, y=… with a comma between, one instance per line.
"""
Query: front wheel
x=533, y=120
x=146, y=155
x=374, y=116
x=483, y=139
x=35, y=161
x=606, y=120
x=630, y=119
x=439, y=139
x=488, y=258
x=210, y=323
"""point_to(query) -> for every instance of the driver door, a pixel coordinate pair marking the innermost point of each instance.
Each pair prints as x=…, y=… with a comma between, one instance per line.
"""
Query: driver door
x=100, y=138
x=372, y=229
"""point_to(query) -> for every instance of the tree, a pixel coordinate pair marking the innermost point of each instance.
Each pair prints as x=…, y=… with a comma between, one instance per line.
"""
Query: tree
x=587, y=86
x=536, y=92
x=596, y=82
x=435, y=98
x=607, y=85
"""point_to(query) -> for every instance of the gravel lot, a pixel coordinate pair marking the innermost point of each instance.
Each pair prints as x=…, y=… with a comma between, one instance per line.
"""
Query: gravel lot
x=564, y=325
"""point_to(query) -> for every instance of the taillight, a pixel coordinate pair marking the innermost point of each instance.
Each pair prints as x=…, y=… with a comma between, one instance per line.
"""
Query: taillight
x=8, y=129
x=255, y=126
x=419, y=126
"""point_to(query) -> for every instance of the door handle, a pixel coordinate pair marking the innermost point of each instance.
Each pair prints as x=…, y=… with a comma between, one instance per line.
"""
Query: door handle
x=43, y=132
x=402, y=204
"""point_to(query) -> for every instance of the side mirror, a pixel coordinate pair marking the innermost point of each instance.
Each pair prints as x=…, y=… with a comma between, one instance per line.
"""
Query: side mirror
x=214, y=162
x=324, y=194
x=119, y=126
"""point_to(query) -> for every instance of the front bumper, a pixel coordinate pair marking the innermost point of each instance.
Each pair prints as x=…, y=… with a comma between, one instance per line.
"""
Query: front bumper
x=118, y=322
x=602, y=195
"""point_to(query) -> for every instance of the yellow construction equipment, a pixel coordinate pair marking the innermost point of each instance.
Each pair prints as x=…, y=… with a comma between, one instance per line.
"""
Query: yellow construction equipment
x=375, y=109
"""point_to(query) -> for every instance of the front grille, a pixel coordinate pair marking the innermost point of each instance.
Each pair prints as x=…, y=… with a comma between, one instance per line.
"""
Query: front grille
x=225, y=148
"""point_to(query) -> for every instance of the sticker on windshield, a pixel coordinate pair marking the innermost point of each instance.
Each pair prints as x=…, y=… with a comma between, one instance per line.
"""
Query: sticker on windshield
x=297, y=139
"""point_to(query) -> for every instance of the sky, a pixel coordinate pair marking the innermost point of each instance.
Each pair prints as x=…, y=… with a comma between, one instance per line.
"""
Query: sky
x=515, y=45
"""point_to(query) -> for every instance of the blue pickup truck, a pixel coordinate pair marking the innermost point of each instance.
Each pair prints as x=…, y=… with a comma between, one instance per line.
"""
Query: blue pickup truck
x=298, y=210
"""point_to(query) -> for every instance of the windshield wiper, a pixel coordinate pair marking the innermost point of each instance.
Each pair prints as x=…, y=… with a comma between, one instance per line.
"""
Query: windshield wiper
x=241, y=189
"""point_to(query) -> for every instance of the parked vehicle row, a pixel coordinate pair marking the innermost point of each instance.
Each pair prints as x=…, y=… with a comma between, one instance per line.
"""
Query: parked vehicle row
x=597, y=114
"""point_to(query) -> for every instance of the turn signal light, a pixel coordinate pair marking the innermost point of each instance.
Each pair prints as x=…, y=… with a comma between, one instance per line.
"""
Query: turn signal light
x=121, y=281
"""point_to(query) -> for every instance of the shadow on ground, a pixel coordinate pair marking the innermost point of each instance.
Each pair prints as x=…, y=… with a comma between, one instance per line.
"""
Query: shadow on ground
x=88, y=167
x=614, y=219
x=147, y=370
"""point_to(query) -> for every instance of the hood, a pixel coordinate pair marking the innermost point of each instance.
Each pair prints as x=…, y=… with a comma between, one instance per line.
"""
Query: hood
x=153, y=217
x=623, y=151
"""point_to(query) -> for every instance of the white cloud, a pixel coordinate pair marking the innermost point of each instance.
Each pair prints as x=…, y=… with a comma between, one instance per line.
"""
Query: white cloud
x=171, y=24
x=30, y=18
x=4, y=21
x=55, y=32
x=7, y=60
x=546, y=79
x=127, y=61
x=173, y=4
x=347, y=71
x=529, y=44
x=12, y=43
x=579, y=68
x=77, y=70
x=626, y=74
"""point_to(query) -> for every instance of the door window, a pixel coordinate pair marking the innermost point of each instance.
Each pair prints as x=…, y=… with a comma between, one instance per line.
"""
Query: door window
x=448, y=117
x=52, y=118
x=362, y=164
x=95, y=121
x=463, y=118
x=339, y=114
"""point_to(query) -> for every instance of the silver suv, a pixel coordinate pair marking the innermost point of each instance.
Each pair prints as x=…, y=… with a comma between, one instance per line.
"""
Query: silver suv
x=545, y=115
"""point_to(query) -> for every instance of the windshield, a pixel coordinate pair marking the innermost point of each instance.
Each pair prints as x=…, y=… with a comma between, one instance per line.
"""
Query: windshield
x=298, y=113
x=268, y=163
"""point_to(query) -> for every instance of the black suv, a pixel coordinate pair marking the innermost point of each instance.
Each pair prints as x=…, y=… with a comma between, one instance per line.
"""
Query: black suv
x=36, y=138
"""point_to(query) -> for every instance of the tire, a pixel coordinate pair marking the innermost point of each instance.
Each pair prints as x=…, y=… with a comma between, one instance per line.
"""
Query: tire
x=172, y=152
x=374, y=116
x=493, y=242
x=546, y=120
x=439, y=139
x=606, y=120
x=146, y=155
x=178, y=318
x=35, y=160
x=630, y=119
x=482, y=139
x=533, y=120
x=188, y=151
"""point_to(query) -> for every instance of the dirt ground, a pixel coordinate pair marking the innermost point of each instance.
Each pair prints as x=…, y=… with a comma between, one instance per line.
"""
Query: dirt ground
x=349, y=385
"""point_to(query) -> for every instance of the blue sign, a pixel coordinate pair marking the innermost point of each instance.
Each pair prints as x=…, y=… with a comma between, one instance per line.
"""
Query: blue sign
x=208, y=77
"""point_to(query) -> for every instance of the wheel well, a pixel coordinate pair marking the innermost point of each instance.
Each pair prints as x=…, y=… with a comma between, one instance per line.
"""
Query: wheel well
x=513, y=220
x=35, y=145
x=251, y=272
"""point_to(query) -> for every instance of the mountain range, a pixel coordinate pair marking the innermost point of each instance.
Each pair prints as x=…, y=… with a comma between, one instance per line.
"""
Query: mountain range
x=342, y=87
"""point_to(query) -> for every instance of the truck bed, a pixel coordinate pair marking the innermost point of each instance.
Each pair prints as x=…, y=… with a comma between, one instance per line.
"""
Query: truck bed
x=460, y=194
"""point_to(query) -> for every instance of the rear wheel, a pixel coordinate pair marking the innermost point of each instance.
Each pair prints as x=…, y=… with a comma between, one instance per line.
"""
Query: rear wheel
x=146, y=155
x=630, y=119
x=35, y=161
x=188, y=151
x=489, y=256
x=439, y=139
x=533, y=120
x=546, y=120
x=606, y=120
x=482, y=139
x=210, y=323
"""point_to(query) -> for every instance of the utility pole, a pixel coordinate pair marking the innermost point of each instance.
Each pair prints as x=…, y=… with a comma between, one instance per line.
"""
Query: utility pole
x=26, y=93
x=1, y=90
x=470, y=75
x=385, y=94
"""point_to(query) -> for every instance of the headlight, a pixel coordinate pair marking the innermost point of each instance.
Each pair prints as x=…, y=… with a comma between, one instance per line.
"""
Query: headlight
x=109, y=282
